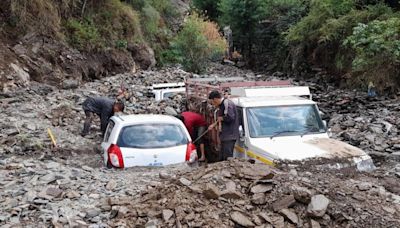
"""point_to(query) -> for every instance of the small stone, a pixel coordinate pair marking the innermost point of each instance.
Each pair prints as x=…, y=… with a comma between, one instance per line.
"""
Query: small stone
x=290, y=216
x=318, y=206
x=54, y=192
x=211, y=191
x=364, y=186
x=229, y=194
x=92, y=212
x=151, y=224
x=94, y=196
x=301, y=194
x=389, y=210
x=285, y=202
x=185, y=181
x=70, y=84
x=167, y=214
x=241, y=219
x=87, y=168
x=165, y=176
x=48, y=178
x=261, y=188
x=72, y=195
x=259, y=199
x=314, y=224
x=111, y=185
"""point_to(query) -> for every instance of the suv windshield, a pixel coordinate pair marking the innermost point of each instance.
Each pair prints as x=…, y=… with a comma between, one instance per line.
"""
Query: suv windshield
x=284, y=120
x=152, y=136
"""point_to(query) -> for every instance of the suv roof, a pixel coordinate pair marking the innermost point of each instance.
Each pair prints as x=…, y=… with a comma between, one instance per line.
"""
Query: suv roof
x=145, y=118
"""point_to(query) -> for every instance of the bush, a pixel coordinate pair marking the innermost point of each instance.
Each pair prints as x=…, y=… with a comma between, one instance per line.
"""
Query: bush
x=197, y=42
x=377, y=48
x=208, y=8
x=83, y=35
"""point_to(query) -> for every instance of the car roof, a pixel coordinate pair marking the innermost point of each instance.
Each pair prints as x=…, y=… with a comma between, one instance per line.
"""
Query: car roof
x=145, y=118
x=271, y=101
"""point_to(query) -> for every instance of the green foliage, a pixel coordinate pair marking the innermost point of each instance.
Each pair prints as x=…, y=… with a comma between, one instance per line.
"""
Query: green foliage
x=376, y=43
x=83, y=34
x=195, y=44
x=150, y=22
x=208, y=8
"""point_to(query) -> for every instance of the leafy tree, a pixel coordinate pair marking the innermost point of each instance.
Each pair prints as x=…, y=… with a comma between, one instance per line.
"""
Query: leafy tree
x=196, y=43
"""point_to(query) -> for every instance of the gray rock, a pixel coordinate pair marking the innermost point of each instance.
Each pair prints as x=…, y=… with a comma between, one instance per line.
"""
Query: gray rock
x=167, y=214
x=185, y=181
x=48, y=178
x=261, y=188
x=364, y=186
x=111, y=185
x=70, y=84
x=54, y=192
x=241, y=219
x=211, y=191
x=259, y=199
x=283, y=203
x=301, y=194
x=170, y=111
x=92, y=212
x=151, y=224
x=318, y=206
x=290, y=216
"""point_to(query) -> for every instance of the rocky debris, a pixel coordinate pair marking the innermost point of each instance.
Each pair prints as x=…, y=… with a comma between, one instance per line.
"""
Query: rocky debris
x=172, y=203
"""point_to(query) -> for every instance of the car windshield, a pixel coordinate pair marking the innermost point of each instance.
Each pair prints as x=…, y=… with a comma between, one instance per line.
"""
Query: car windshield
x=152, y=136
x=169, y=95
x=284, y=120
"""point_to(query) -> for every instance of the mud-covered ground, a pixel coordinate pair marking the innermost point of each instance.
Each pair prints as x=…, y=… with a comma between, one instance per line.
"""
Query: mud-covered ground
x=68, y=186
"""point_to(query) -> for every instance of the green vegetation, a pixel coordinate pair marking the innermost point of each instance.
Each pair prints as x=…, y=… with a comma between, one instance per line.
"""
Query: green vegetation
x=195, y=44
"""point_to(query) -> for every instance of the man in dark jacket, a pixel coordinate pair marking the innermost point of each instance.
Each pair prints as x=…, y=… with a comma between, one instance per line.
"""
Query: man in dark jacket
x=103, y=107
x=229, y=123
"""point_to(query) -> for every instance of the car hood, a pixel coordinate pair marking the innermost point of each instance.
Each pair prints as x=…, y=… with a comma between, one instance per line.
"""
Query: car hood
x=299, y=148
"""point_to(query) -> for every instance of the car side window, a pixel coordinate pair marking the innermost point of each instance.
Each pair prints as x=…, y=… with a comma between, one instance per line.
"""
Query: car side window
x=109, y=129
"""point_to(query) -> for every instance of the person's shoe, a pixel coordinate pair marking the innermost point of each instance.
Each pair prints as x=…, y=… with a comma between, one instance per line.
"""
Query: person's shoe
x=202, y=160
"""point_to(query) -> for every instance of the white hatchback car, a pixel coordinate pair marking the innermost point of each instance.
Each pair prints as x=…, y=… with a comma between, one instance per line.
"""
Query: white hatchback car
x=146, y=140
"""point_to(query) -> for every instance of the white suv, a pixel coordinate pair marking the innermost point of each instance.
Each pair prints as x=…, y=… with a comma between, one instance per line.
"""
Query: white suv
x=146, y=140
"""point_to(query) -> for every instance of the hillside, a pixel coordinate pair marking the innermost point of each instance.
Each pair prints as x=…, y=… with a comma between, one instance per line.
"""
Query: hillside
x=64, y=43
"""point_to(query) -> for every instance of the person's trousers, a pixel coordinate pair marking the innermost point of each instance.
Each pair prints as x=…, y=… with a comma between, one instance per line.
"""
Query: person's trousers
x=227, y=149
x=88, y=121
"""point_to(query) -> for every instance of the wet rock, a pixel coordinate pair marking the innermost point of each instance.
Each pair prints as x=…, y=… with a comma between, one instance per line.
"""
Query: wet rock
x=241, y=219
x=283, y=203
x=318, y=206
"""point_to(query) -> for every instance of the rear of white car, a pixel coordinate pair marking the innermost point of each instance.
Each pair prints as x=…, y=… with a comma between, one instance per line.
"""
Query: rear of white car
x=147, y=140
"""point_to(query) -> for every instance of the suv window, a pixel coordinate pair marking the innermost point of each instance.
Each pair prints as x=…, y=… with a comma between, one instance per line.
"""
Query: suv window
x=152, y=136
x=109, y=129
